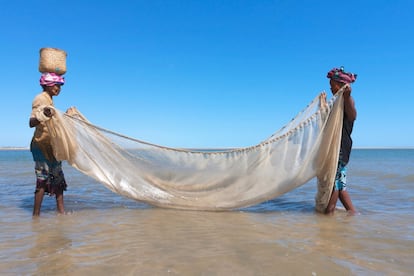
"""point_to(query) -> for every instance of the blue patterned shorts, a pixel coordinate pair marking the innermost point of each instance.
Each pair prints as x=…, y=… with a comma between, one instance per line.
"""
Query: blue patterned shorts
x=340, y=178
x=49, y=174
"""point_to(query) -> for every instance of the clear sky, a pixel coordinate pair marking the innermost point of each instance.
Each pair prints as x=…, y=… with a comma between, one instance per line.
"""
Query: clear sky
x=210, y=73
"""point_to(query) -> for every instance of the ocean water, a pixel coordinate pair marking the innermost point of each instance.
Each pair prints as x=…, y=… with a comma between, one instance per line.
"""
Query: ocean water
x=106, y=234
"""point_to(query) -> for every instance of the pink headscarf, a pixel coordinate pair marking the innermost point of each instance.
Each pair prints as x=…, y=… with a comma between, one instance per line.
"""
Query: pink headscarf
x=50, y=79
x=339, y=74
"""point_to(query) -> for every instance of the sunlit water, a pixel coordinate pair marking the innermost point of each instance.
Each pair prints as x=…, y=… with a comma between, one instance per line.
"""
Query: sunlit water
x=106, y=234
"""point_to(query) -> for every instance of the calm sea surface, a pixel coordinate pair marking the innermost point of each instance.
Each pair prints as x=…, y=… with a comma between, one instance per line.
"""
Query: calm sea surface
x=106, y=234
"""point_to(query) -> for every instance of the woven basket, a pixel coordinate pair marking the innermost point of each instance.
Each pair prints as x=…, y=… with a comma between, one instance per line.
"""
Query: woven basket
x=52, y=60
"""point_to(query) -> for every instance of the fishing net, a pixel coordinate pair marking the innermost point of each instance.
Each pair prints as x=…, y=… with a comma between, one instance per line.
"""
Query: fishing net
x=305, y=148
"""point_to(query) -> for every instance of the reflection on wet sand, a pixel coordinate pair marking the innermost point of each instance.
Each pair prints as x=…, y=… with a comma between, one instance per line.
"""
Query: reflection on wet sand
x=161, y=241
x=51, y=251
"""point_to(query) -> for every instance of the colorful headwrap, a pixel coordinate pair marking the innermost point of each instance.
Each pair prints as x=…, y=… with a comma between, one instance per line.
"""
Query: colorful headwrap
x=339, y=74
x=50, y=79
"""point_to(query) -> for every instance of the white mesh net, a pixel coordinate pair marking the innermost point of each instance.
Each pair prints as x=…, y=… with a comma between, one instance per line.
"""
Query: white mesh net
x=305, y=148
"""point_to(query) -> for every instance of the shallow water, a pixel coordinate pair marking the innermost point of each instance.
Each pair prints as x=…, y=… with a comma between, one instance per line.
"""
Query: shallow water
x=106, y=234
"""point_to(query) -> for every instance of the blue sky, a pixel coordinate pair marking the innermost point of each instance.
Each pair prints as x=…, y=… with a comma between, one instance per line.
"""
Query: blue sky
x=210, y=73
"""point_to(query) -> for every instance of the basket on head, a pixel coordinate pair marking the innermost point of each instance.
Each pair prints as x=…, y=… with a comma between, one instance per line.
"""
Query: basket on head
x=52, y=60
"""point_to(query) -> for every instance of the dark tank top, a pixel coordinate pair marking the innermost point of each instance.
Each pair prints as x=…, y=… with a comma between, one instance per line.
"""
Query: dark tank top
x=346, y=141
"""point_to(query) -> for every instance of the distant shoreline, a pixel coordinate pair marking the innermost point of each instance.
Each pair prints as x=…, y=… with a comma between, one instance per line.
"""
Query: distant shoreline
x=14, y=148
